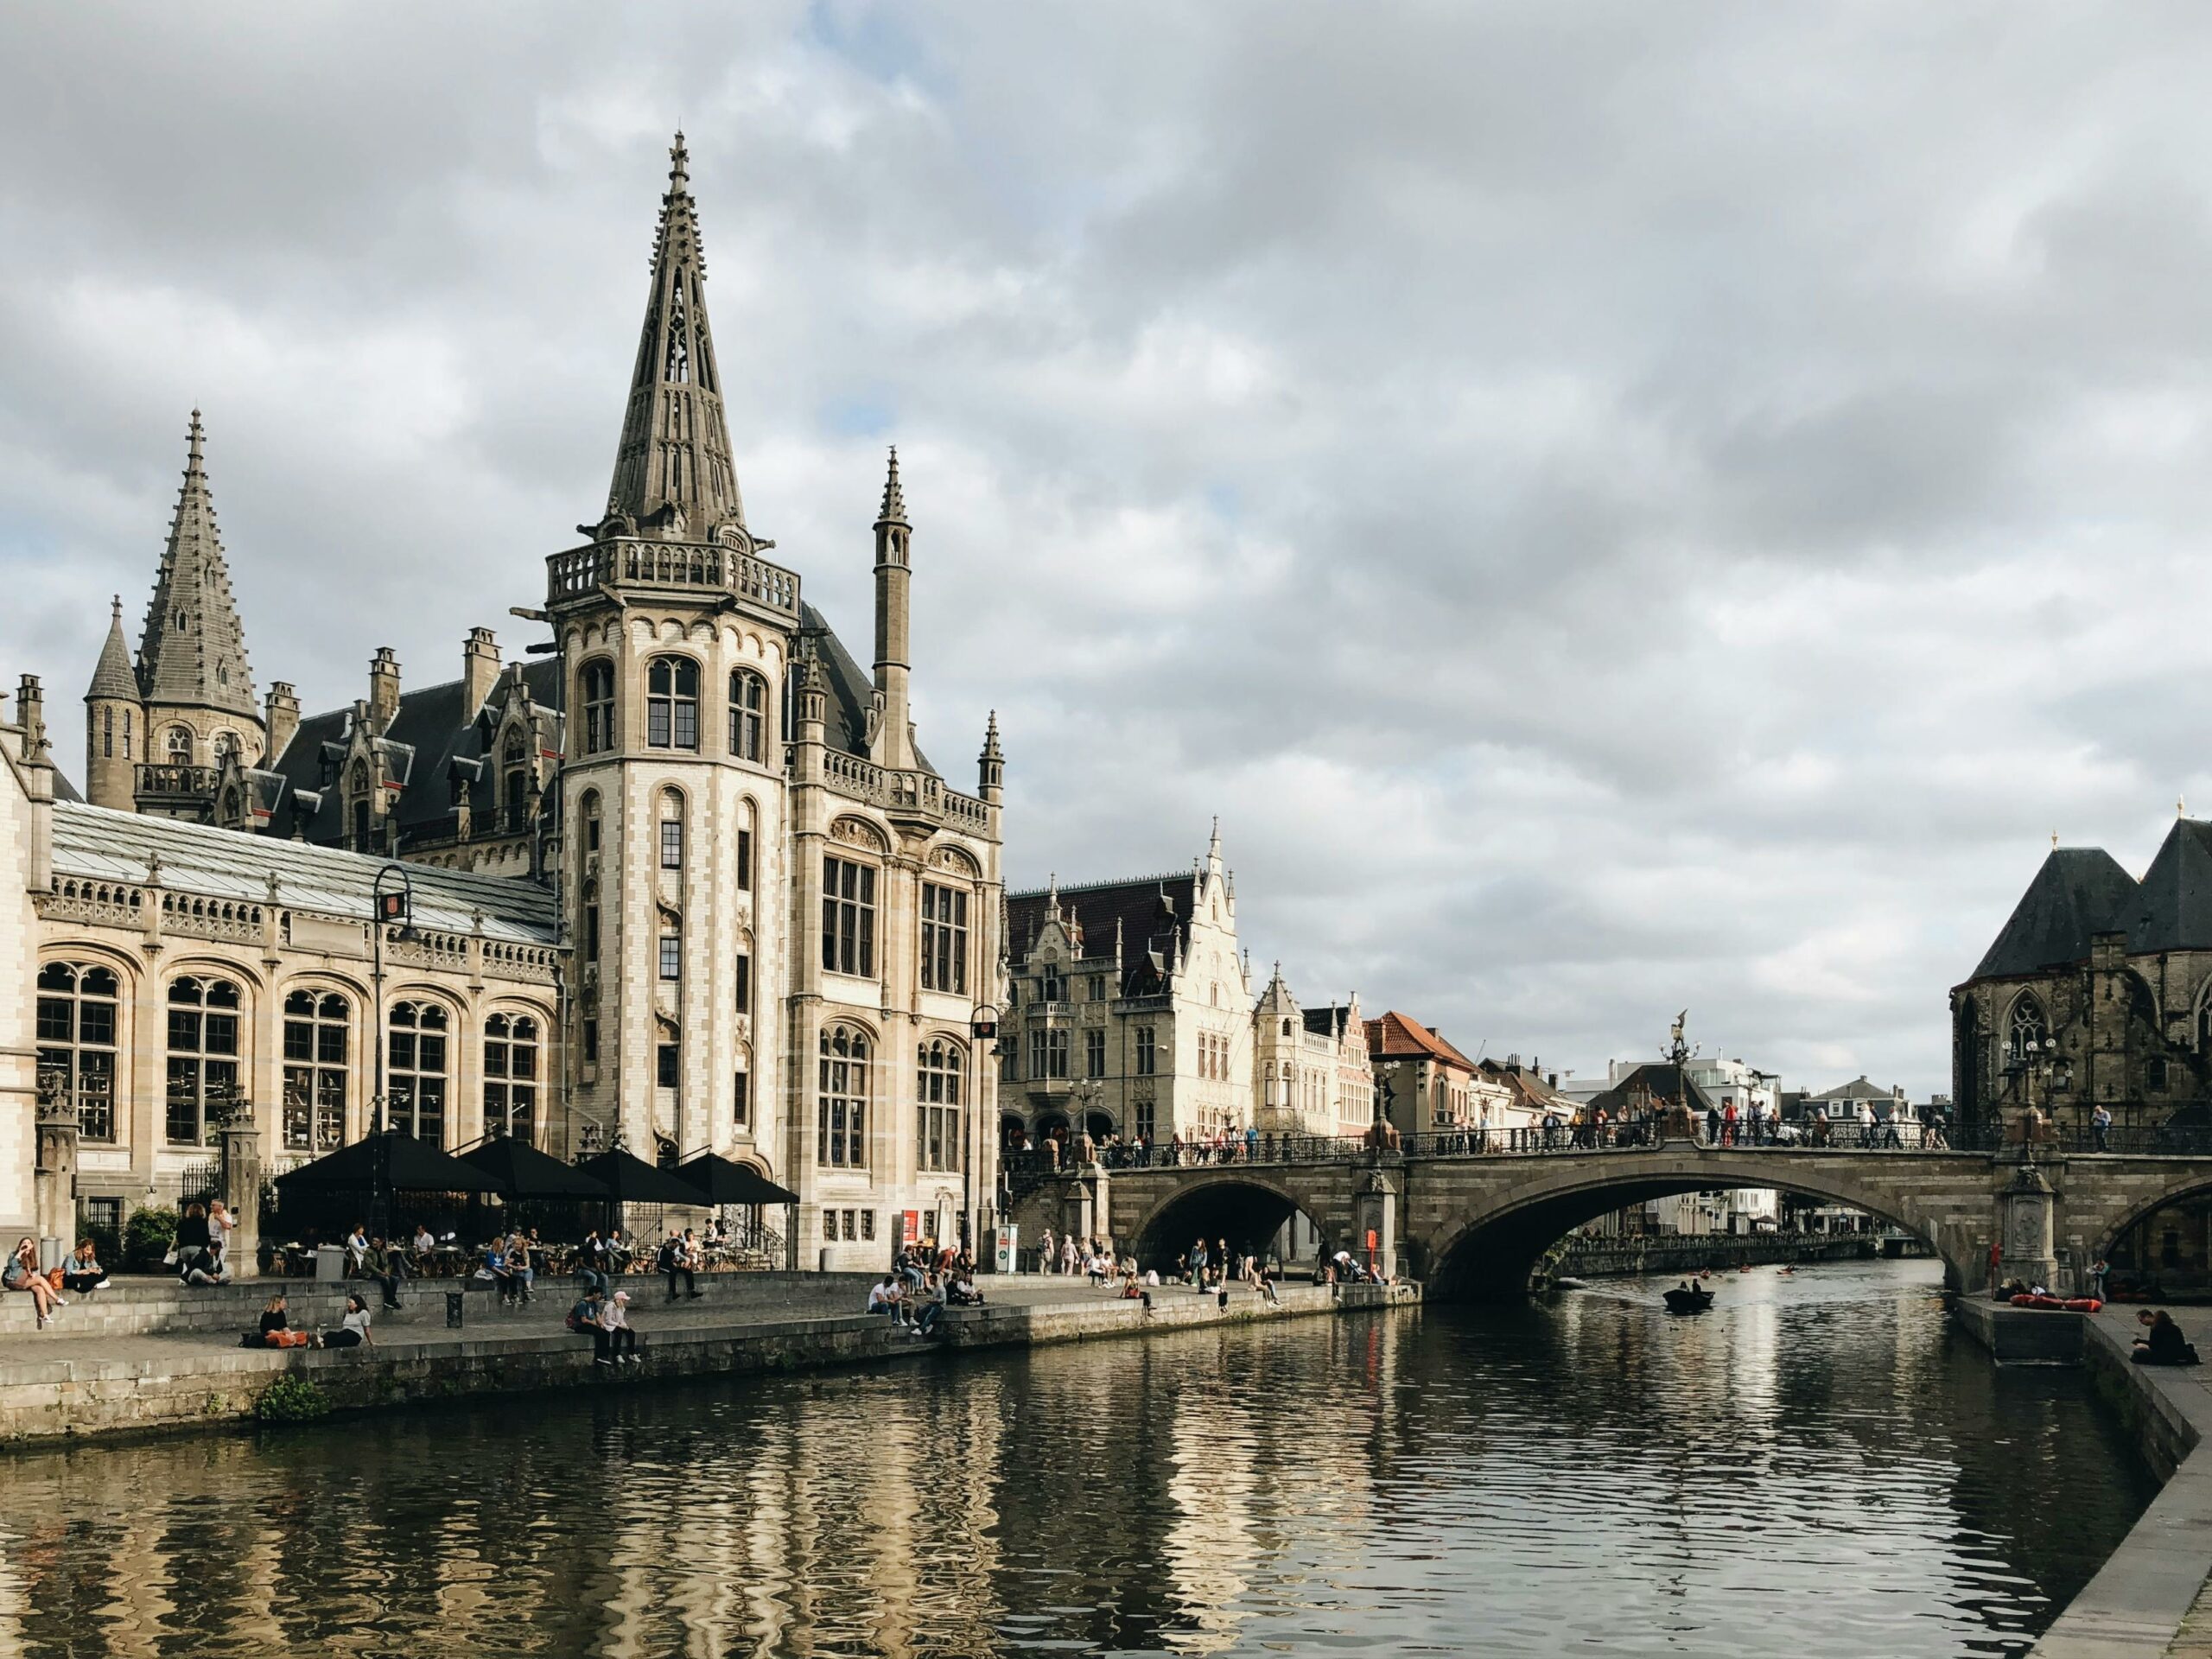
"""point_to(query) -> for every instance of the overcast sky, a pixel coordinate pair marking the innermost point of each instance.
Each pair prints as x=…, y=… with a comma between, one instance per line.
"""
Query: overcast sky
x=1615, y=508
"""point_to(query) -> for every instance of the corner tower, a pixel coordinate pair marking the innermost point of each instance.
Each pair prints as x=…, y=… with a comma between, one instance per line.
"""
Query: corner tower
x=115, y=720
x=676, y=642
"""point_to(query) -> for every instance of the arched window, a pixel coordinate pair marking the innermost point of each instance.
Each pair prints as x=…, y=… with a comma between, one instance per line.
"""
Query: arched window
x=598, y=700
x=590, y=940
x=842, y=1100
x=748, y=712
x=938, y=1090
x=179, y=746
x=672, y=830
x=415, y=1071
x=76, y=1042
x=226, y=745
x=514, y=779
x=203, y=1056
x=672, y=703
x=317, y=1034
x=126, y=733
x=357, y=786
x=2027, y=1030
x=511, y=1075
x=591, y=821
x=107, y=733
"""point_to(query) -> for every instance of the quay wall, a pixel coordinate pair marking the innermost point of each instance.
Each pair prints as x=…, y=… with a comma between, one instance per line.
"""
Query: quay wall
x=2152, y=1585
x=1602, y=1258
x=50, y=1392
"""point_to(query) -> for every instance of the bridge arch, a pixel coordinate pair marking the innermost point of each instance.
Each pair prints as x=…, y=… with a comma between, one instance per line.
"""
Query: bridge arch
x=1246, y=1206
x=1486, y=1242
x=2136, y=1202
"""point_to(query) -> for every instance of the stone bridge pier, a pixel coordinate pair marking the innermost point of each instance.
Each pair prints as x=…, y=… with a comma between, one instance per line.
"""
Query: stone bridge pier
x=1476, y=1225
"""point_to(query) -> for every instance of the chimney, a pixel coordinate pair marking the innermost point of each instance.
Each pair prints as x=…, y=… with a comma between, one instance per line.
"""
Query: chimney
x=480, y=669
x=384, y=690
x=30, y=715
x=281, y=715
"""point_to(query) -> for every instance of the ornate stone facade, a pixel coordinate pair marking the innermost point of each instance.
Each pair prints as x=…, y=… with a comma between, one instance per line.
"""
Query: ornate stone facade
x=761, y=922
x=2097, y=992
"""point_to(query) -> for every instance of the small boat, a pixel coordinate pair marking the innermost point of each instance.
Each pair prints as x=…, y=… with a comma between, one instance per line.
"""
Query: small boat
x=1695, y=1300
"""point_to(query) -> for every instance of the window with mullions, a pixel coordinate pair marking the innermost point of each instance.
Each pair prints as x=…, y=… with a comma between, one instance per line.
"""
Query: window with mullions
x=598, y=700
x=672, y=703
x=511, y=1075
x=938, y=1092
x=1147, y=1052
x=76, y=1041
x=671, y=957
x=1048, y=1053
x=849, y=917
x=415, y=1070
x=318, y=1028
x=944, y=938
x=1094, y=1053
x=671, y=843
x=841, y=1099
x=749, y=710
x=203, y=1056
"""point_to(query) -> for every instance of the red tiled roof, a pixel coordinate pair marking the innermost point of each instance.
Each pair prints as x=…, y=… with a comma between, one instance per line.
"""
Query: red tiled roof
x=1393, y=1037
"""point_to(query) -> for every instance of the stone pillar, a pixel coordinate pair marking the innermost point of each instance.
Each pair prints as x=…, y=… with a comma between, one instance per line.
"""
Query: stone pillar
x=2025, y=1227
x=241, y=1189
x=1085, y=1203
x=55, y=1182
x=1375, y=1222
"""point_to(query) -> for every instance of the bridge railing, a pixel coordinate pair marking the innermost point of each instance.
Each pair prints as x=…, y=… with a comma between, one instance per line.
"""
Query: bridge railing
x=1023, y=1170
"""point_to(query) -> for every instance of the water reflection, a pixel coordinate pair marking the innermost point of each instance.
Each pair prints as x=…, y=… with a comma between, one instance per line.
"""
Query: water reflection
x=1819, y=1456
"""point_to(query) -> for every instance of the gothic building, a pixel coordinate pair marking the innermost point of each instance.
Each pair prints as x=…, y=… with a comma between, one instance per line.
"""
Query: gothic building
x=697, y=848
x=2098, y=991
x=1310, y=1066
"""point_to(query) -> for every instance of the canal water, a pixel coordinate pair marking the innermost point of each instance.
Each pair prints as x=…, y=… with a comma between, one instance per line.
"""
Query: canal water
x=1818, y=1467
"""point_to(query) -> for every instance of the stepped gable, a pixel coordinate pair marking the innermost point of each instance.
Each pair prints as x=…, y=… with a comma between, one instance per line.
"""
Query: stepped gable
x=2079, y=891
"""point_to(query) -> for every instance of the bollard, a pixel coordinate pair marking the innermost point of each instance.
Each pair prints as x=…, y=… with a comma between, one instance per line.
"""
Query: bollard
x=455, y=1301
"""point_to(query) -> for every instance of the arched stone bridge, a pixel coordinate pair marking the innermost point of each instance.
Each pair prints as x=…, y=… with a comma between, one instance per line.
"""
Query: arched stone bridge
x=1478, y=1223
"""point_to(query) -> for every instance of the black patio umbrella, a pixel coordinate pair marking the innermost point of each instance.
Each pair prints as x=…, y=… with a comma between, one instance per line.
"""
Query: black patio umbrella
x=415, y=1166
x=725, y=1182
x=523, y=1172
x=628, y=1178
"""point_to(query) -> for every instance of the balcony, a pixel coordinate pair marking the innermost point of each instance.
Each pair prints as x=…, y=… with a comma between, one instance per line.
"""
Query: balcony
x=684, y=566
x=913, y=794
x=166, y=782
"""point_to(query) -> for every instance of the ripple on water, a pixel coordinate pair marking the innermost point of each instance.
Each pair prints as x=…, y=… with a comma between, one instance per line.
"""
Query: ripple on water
x=1817, y=1456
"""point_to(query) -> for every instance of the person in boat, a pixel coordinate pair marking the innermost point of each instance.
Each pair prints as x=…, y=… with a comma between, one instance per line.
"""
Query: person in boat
x=2162, y=1343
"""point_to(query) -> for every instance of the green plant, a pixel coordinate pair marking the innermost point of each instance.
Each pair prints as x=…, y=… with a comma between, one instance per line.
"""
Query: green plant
x=291, y=1400
x=147, y=1237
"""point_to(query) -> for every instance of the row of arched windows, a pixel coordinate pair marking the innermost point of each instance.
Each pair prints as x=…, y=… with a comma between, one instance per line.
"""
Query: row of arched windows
x=672, y=713
x=204, y=1052
x=844, y=1093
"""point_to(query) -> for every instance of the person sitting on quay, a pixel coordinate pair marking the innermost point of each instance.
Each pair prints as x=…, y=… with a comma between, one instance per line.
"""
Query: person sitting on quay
x=357, y=1248
x=615, y=1330
x=2164, y=1344
x=885, y=1296
x=932, y=1309
x=21, y=1274
x=191, y=1241
x=426, y=1247
x=675, y=1260
x=353, y=1330
x=591, y=1263
x=494, y=1271
x=277, y=1326
x=209, y=1266
x=388, y=1267
x=84, y=1274
x=963, y=1293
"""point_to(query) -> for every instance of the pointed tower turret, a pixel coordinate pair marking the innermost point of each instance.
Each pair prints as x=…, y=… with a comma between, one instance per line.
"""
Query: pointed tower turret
x=990, y=765
x=893, y=743
x=114, y=719
x=672, y=470
x=192, y=661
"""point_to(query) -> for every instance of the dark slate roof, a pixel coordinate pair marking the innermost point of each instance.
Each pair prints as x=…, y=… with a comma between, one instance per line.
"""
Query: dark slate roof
x=1153, y=911
x=1661, y=1080
x=1322, y=1022
x=2079, y=891
x=2173, y=908
x=429, y=734
x=851, y=689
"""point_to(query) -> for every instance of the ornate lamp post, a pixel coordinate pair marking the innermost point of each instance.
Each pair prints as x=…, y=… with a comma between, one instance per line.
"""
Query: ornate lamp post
x=983, y=1026
x=386, y=907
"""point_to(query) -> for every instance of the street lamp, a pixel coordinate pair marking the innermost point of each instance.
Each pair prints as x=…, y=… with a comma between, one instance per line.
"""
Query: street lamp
x=397, y=906
x=983, y=1026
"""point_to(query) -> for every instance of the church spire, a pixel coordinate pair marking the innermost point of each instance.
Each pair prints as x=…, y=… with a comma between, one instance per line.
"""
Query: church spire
x=672, y=469
x=113, y=677
x=192, y=652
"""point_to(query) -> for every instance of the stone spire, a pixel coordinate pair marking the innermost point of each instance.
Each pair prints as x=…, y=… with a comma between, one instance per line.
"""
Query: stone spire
x=894, y=498
x=674, y=456
x=114, y=676
x=192, y=653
